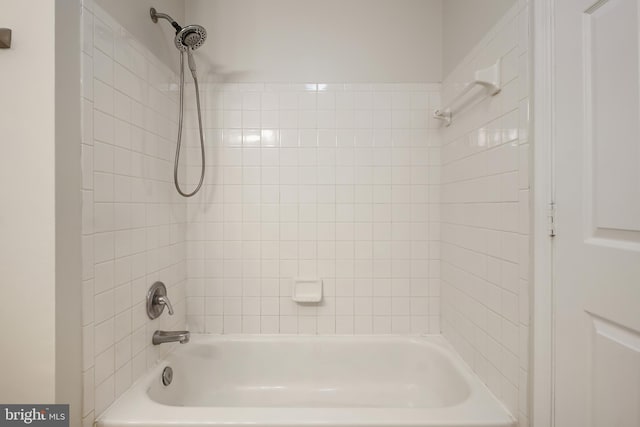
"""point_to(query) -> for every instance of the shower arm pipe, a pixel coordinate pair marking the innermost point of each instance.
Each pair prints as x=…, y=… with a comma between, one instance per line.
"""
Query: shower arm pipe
x=488, y=78
x=155, y=15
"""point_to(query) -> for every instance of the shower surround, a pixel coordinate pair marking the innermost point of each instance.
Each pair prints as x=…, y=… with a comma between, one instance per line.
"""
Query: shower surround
x=350, y=182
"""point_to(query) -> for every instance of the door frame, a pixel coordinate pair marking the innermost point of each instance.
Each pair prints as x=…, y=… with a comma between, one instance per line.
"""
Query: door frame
x=542, y=333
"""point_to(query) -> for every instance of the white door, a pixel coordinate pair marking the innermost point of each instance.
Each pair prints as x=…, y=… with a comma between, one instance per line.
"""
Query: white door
x=597, y=180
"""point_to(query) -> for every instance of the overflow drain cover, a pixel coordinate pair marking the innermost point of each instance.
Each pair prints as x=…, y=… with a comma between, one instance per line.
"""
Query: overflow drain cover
x=167, y=375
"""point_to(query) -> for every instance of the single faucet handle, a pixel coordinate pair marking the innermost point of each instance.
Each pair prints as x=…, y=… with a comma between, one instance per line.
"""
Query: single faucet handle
x=164, y=300
x=157, y=300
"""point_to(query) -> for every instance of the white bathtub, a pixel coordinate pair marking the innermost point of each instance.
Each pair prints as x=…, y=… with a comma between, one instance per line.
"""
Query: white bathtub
x=310, y=381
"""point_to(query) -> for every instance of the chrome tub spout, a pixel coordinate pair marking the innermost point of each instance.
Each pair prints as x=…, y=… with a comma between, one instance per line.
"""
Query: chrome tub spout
x=160, y=337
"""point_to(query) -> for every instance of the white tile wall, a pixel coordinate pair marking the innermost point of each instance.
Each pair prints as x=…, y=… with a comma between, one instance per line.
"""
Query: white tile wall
x=334, y=181
x=485, y=218
x=133, y=221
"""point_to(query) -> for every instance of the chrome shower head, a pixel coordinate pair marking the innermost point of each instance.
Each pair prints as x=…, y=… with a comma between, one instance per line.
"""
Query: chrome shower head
x=190, y=37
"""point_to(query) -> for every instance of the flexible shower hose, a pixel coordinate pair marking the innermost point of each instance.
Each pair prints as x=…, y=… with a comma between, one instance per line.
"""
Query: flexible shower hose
x=180, y=122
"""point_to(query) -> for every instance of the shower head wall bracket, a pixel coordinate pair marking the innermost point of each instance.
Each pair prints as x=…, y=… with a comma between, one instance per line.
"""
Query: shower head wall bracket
x=154, y=15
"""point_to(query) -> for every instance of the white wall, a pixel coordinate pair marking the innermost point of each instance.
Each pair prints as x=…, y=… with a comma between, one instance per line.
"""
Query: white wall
x=134, y=18
x=133, y=220
x=485, y=217
x=27, y=217
x=40, y=237
x=465, y=22
x=68, y=209
x=329, y=41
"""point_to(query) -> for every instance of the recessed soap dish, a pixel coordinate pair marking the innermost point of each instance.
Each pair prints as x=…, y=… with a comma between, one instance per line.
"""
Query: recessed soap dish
x=306, y=290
